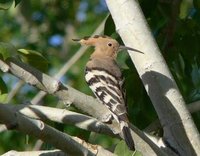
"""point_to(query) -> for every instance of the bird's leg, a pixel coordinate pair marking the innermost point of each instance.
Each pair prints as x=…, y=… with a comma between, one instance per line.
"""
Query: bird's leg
x=111, y=122
x=107, y=118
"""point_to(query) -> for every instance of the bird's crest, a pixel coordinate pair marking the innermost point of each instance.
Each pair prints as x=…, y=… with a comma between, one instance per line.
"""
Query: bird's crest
x=88, y=40
x=92, y=37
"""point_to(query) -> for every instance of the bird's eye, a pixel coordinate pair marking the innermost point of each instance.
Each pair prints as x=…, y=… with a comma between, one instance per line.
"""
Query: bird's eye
x=110, y=44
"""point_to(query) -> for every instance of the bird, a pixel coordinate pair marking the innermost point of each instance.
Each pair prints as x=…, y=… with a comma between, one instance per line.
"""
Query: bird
x=105, y=79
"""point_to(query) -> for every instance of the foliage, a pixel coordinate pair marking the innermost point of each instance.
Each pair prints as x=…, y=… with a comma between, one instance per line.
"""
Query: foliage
x=34, y=58
x=121, y=149
x=7, y=50
x=40, y=33
x=6, y=4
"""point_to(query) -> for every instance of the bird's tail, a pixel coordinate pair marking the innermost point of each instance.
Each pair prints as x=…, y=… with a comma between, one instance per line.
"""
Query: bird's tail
x=126, y=134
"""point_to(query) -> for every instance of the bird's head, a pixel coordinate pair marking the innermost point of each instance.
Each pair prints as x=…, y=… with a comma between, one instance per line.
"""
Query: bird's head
x=104, y=45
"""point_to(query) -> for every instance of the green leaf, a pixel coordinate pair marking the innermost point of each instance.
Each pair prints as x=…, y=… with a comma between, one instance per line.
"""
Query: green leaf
x=3, y=97
x=5, y=4
x=7, y=50
x=3, y=91
x=196, y=4
x=137, y=153
x=109, y=27
x=195, y=74
x=34, y=58
x=3, y=87
x=185, y=7
x=17, y=2
x=122, y=150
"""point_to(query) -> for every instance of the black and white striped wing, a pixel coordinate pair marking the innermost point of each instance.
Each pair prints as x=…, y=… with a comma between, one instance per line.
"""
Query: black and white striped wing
x=108, y=89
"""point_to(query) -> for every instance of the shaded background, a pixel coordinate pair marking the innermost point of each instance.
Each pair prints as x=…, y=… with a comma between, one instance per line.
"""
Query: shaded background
x=48, y=27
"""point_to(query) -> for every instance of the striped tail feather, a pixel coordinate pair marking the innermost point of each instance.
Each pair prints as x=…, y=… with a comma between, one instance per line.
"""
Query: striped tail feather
x=126, y=135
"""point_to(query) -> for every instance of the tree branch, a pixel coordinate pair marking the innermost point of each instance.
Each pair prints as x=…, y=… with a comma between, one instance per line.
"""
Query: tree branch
x=14, y=90
x=79, y=120
x=69, y=95
x=194, y=106
x=36, y=153
x=52, y=86
x=61, y=116
x=37, y=128
x=180, y=133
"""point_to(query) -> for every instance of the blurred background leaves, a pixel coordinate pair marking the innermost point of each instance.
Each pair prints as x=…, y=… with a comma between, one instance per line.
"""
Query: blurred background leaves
x=41, y=32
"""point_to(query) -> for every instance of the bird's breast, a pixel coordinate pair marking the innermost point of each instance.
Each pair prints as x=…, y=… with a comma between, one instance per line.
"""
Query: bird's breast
x=105, y=64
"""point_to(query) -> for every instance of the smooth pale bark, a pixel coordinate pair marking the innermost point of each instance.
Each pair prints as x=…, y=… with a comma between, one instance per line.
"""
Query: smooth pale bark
x=35, y=153
x=68, y=144
x=180, y=133
x=80, y=100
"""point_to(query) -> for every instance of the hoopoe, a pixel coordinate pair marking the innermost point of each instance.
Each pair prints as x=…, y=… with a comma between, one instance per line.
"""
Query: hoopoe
x=105, y=79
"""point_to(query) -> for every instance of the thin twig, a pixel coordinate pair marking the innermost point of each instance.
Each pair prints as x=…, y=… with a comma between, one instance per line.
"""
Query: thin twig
x=38, y=145
x=14, y=91
x=194, y=106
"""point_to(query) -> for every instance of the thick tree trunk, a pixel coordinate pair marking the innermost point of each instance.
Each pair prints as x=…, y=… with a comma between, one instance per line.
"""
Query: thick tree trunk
x=180, y=133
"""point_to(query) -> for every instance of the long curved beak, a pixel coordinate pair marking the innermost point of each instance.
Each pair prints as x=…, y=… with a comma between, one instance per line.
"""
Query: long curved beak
x=128, y=48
